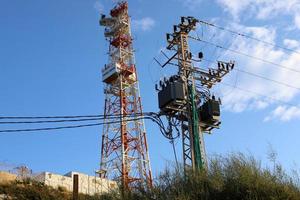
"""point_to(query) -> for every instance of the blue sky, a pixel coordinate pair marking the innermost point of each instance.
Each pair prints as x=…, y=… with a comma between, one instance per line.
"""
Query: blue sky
x=52, y=53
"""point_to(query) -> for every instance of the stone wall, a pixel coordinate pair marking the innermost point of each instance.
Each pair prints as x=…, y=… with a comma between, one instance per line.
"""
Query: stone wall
x=87, y=184
x=6, y=177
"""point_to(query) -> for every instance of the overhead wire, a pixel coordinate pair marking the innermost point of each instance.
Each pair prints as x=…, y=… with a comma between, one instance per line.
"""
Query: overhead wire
x=65, y=127
x=48, y=117
x=61, y=121
x=155, y=117
x=256, y=58
x=247, y=55
x=232, y=90
x=268, y=79
x=174, y=152
x=229, y=42
x=100, y=117
x=70, y=116
x=48, y=128
x=247, y=36
x=52, y=121
x=258, y=76
x=259, y=94
x=220, y=54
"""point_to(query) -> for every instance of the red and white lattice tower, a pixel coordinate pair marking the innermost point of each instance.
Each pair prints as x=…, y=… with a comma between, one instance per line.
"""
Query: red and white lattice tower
x=124, y=153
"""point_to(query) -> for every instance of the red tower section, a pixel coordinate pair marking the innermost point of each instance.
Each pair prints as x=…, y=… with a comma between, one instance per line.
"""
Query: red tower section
x=124, y=152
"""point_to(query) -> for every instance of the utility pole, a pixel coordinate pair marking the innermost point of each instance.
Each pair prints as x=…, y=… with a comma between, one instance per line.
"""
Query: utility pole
x=185, y=96
x=75, y=187
x=124, y=152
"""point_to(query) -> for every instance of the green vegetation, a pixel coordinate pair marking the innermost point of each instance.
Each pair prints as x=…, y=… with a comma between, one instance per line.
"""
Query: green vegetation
x=236, y=177
x=32, y=190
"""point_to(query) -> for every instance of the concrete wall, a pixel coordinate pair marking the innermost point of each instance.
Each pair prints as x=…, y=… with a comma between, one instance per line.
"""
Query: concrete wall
x=7, y=177
x=87, y=184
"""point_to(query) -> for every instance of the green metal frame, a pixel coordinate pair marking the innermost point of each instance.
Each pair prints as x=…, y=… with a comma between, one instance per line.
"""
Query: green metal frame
x=195, y=129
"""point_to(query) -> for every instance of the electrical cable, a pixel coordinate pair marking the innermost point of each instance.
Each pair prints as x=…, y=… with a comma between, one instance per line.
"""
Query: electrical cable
x=49, y=117
x=247, y=55
x=232, y=90
x=249, y=37
x=149, y=115
x=175, y=153
x=70, y=117
x=64, y=127
x=259, y=76
x=234, y=40
x=259, y=94
x=268, y=79
x=48, y=128
x=58, y=121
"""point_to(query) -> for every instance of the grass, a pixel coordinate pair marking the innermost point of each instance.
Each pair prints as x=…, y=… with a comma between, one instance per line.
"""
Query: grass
x=234, y=177
x=32, y=190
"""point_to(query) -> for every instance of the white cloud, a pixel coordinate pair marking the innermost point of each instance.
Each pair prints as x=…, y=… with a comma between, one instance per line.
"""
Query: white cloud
x=260, y=104
x=297, y=21
x=191, y=4
x=99, y=6
x=259, y=90
x=284, y=113
x=270, y=8
x=234, y=6
x=263, y=9
x=144, y=24
x=292, y=44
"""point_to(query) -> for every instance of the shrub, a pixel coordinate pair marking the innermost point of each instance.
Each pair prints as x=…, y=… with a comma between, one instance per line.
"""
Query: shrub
x=234, y=177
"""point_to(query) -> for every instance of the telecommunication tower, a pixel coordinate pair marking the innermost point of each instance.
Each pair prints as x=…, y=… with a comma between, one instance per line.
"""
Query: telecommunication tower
x=124, y=152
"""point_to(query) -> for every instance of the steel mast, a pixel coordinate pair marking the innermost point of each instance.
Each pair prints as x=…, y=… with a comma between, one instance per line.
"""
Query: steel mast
x=124, y=152
x=185, y=96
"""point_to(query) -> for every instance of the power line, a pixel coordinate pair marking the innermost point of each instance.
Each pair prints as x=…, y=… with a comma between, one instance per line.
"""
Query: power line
x=261, y=77
x=48, y=129
x=248, y=36
x=268, y=79
x=65, y=127
x=70, y=117
x=50, y=117
x=73, y=120
x=54, y=121
x=259, y=94
x=154, y=117
x=247, y=55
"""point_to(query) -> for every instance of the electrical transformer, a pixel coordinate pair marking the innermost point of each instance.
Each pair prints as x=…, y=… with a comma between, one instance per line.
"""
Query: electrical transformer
x=171, y=96
x=209, y=112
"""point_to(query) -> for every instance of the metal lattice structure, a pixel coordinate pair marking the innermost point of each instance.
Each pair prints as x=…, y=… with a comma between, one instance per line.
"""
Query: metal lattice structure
x=186, y=97
x=124, y=153
x=192, y=138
